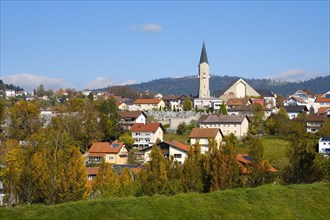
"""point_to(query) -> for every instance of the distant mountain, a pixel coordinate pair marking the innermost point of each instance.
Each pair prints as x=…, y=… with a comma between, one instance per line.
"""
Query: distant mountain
x=189, y=85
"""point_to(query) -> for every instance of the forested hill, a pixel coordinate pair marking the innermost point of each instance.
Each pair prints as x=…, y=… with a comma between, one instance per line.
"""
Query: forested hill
x=189, y=85
x=11, y=86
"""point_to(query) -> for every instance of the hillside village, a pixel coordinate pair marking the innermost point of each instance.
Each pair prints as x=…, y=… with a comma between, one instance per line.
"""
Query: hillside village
x=126, y=131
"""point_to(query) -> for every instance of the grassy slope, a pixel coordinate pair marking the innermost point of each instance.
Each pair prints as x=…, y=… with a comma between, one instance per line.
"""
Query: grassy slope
x=266, y=202
x=275, y=151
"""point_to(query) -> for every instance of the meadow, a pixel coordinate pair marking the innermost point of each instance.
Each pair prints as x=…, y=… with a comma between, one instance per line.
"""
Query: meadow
x=305, y=201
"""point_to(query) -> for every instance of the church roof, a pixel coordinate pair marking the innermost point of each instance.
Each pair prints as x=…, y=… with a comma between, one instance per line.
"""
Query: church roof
x=203, y=55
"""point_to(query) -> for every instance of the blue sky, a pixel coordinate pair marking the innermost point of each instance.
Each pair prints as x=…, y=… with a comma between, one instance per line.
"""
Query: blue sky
x=91, y=44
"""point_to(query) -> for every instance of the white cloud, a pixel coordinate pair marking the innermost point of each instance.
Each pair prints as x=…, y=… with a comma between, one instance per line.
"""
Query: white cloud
x=129, y=82
x=151, y=28
x=147, y=28
x=291, y=75
x=30, y=81
x=99, y=82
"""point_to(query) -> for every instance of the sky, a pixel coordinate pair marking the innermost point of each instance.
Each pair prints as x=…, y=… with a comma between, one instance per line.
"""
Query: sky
x=94, y=44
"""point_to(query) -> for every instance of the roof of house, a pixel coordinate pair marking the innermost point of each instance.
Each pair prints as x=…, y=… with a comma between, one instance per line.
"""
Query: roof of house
x=323, y=110
x=245, y=108
x=118, y=104
x=203, y=55
x=204, y=132
x=316, y=118
x=178, y=145
x=147, y=101
x=92, y=170
x=265, y=93
x=131, y=114
x=298, y=108
x=322, y=98
x=245, y=159
x=237, y=101
x=298, y=99
x=170, y=98
x=217, y=118
x=150, y=127
x=105, y=147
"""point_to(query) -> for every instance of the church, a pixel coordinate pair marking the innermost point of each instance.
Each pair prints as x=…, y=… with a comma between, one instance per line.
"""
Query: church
x=204, y=100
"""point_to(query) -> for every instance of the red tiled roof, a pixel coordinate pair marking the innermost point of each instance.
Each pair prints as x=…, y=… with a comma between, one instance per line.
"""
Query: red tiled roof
x=147, y=101
x=118, y=104
x=237, y=101
x=150, y=127
x=316, y=118
x=240, y=158
x=323, y=110
x=179, y=145
x=105, y=147
x=204, y=132
x=319, y=98
x=92, y=170
x=131, y=114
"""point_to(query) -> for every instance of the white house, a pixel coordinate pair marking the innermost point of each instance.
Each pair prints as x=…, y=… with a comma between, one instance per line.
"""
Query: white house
x=128, y=118
x=315, y=122
x=175, y=149
x=145, y=135
x=324, y=145
x=322, y=100
x=235, y=124
x=10, y=93
x=203, y=135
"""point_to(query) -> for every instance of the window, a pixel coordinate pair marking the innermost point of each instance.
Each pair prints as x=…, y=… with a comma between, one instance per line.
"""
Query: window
x=111, y=157
x=137, y=133
x=177, y=155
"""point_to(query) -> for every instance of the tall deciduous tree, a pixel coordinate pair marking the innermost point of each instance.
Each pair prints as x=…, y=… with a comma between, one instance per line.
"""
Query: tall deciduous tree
x=256, y=125
x=223, y=109
x=187, y=105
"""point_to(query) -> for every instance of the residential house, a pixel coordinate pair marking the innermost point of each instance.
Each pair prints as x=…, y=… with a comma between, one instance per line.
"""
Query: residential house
x=148, y=104
x=91, y=175
x=172, y=102
x=21, y=93
x=10, y=93
x=175, y=149
x=121, y=106
x=315, y=122
x=244, y=160
x=128, y=118
x=235, y=102
x=203, y=136
x=293, y=111
x=86, y=92
x=115, y=153
x=145, y=135
x=248, y=111
x=302, y=97
x=235, y=124
x=322, y=100
x=206, y=103
x=324, y=145
x=269, y=98
x=324, y=111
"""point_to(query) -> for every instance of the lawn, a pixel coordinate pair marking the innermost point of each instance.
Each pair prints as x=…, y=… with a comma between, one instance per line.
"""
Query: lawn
x=175, y=137
x=310, y=201
x=275, y=151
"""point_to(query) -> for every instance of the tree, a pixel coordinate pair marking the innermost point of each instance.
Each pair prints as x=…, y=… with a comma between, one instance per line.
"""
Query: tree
x=193, y=171
x=14, y=165
x=187, y=105
x=127, y=185
x=257, y=168
x=107, y=181
x=301, y=155
x=182, y=128
x=40, y=91
x=127, y=139
x=324, y=131
x=24, y=120
x=109, y=119
x=213, y=167
x=153, y=179
x=223, y=109
x=256, y=124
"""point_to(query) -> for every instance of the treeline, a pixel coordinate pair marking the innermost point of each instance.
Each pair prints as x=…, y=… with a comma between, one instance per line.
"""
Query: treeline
x=189, y=85
x=9, y=86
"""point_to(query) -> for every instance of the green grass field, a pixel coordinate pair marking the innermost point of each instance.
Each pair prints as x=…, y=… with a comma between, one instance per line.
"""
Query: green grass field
x=265, y=202
x=275, y=151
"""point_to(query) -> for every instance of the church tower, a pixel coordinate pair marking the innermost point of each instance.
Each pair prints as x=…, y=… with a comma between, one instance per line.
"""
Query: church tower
x=204, y=75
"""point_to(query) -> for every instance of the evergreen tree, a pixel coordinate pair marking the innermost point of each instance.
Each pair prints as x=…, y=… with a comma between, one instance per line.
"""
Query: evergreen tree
x=256, y=124
x=187, y=105
x=127, y=184
x=212, y=165
x=257, y=168
x=223, y=109
x=193, y=171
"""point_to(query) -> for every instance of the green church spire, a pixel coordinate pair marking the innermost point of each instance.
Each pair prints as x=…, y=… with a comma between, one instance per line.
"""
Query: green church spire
x=203, y=55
